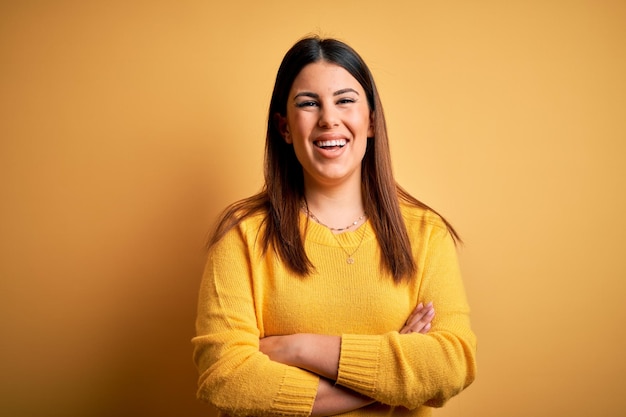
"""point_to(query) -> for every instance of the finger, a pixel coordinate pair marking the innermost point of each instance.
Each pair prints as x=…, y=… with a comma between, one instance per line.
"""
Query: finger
x=418, y=323
x=420, y=313
x=422, y=321
x=418, y=310
x=425, y=329
x=419, y=317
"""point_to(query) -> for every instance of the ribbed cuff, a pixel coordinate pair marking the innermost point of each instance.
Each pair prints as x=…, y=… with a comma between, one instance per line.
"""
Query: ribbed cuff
x=358, y=363
x=297, y=394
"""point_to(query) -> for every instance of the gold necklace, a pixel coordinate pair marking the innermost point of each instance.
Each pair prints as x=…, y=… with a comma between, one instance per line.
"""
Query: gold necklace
x=311, y=215
x=349, y=259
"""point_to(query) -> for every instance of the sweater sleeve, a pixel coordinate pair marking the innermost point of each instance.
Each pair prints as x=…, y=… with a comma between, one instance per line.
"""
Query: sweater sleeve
x=235, y=376
x=413, y=369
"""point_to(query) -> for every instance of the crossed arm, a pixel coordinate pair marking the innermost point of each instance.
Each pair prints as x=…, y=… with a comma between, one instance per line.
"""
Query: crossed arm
x=319, y=354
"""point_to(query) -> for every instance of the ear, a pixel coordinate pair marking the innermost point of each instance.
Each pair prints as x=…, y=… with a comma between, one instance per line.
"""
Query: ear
x=283, y=127
x=371, y=130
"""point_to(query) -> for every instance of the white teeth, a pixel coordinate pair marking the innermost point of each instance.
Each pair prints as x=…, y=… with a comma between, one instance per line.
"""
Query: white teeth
x=331, y=143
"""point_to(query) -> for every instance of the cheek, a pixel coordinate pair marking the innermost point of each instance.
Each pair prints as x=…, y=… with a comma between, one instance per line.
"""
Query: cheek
x=301, y=122
x=363, y=124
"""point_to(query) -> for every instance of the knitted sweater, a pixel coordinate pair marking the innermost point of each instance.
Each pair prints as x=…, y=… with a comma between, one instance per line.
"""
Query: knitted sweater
x=246, y=295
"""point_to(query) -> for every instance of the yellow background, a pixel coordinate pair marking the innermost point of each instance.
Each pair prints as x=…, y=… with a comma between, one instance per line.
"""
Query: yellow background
x=127, y=126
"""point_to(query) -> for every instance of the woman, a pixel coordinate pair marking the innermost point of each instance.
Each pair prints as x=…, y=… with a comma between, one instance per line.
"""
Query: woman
x=318, y=293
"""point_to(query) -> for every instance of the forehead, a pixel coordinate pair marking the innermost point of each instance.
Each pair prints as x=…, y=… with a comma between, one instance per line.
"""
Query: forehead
x=324, y=77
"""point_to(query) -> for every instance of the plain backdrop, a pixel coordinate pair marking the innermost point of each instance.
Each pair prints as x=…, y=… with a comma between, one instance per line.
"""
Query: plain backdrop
x=127, y=126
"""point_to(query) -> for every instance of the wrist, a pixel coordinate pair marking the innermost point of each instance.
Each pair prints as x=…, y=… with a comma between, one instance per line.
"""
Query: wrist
x=319, y=354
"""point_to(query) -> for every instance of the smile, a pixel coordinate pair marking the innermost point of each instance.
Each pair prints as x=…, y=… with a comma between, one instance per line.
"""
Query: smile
x=335, y=143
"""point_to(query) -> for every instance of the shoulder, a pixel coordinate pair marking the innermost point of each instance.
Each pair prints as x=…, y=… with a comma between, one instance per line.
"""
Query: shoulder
x=249, y=211
x=239, y=223
x=249, y=224
x=417, y=217
x=242, y=239
x=252, y=223
x=428, y=232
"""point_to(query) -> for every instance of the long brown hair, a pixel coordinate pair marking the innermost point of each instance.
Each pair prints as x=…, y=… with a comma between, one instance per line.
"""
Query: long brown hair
x=281, y=198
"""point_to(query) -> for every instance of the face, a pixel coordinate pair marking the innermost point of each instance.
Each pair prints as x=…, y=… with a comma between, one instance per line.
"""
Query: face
x=328, y=122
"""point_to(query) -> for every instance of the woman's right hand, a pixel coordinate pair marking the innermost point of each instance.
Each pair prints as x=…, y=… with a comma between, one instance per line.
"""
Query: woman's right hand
x=420, y=319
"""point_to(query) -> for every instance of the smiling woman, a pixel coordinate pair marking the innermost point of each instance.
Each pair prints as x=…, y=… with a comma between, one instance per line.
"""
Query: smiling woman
x=333, y=311
x=328, y=122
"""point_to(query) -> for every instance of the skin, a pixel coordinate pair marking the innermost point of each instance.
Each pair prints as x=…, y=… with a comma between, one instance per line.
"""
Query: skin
x=328, y=106
x=327, y=103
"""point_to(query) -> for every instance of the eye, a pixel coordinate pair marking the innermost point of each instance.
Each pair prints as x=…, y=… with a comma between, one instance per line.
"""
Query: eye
x=346, y=100
x=309, y=103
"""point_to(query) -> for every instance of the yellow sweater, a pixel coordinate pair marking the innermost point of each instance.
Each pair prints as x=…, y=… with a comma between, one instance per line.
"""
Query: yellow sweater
x=246, y=295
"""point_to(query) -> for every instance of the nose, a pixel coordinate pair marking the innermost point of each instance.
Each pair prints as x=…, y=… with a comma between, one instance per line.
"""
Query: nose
x=329, y=117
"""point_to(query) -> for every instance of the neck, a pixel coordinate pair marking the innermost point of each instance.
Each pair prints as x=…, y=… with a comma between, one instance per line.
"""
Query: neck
x=335, y=207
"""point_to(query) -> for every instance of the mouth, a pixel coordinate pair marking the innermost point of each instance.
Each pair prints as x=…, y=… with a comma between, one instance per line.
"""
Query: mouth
x=331, y=144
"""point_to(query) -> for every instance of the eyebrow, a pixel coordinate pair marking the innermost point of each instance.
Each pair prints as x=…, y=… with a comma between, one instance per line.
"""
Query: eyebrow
x=336, y=93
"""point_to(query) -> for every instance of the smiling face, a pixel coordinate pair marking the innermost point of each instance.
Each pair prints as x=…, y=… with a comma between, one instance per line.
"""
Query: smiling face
x=328, y=122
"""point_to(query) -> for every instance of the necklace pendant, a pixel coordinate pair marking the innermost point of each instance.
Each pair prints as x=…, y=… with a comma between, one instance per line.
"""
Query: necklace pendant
x=350, y=260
